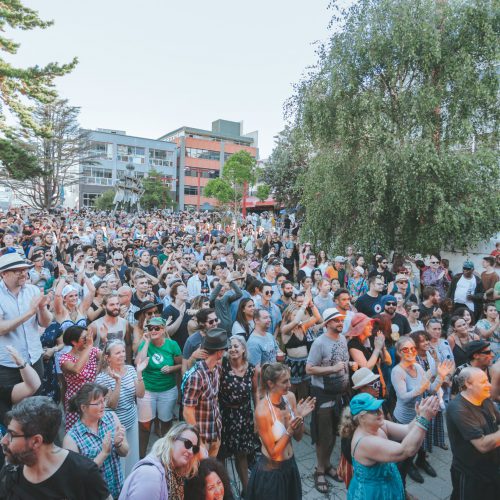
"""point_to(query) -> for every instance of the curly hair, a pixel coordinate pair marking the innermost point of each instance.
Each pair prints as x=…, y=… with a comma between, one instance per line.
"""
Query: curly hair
x=195, y=487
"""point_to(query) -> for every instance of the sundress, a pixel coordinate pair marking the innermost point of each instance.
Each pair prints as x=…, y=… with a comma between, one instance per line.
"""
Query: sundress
x=74, y=381
x=235, y=398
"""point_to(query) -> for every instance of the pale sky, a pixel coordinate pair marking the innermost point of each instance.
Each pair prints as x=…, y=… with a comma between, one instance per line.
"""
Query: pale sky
x=151, y=66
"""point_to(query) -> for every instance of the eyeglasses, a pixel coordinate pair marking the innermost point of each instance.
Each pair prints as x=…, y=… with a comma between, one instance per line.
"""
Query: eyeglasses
x=391, y=304
x=90, y=261
x=415, y=310
x=269, y=292
x=375, y=384
x=118, y=260
x=98, y=403
x=155, y=328
x=408, y=350
x=213, y=321
x=10, y=435
x=188, y=444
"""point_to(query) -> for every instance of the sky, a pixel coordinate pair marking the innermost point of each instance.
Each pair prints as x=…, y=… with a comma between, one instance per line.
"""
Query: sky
x=151, y=66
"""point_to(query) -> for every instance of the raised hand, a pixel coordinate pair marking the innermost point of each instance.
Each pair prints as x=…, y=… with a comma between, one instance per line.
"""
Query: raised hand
x=445, y=368
x=119, y=434
x=305, y=406
x=142, y=365
x=428, y=407
x=106, y=444
x=379, y=341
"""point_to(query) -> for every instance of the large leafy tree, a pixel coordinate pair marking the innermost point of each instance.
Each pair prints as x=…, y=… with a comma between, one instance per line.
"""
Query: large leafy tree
x=402, y=111
x=156, y=192
x=239, y=169
x=287, y=165
x=20, y=87
x=57, y=156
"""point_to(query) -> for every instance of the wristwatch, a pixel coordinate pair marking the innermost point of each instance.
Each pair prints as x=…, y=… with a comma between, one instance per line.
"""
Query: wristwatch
x=23, y=365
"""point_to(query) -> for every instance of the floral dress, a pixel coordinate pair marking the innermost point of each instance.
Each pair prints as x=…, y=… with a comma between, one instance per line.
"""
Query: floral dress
x=50, y=387
x=74, y=381
x=235, y=396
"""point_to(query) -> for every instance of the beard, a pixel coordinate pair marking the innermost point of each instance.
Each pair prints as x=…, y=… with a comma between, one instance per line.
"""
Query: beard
x=113, y=312
x=288, y=295
x=27, y=457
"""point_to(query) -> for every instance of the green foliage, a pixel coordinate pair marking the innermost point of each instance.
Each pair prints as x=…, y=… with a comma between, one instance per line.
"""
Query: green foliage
x=17, y=162
x=156, y=193
x=238, y=169
x=263, y=192
x=59, y=155
x=105, y=200
x=18, y=86
x=288, y=161
x=402, y=112
x=219, y=189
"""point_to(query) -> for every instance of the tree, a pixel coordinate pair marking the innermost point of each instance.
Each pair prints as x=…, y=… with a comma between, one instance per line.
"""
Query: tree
x=58, y=155
x=156, y=192
x=239, y=169
x=402, y=112
x=105, y=200
x=287, y=164
x=19, y=86
x=263, y=192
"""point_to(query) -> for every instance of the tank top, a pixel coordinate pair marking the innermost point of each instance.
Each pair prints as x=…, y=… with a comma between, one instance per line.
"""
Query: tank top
x=278, y=429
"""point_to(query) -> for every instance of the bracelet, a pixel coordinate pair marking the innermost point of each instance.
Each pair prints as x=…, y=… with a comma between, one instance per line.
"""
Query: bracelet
x=418, y=424
x=290, y=435
x=422, y=422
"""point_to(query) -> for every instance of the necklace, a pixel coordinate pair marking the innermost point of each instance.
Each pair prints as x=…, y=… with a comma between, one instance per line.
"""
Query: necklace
x=281, y=405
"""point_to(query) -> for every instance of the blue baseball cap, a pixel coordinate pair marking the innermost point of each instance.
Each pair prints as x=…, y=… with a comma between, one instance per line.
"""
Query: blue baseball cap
x=364, y=402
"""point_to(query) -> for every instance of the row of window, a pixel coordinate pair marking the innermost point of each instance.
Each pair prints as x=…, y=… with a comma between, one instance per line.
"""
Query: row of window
x=206, y=174
x=132, y=154
x=206, y=154
x=193, y=190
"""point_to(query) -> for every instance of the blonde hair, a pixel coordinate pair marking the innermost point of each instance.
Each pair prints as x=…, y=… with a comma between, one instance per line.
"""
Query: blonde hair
x=348, y=423
x=163, y=448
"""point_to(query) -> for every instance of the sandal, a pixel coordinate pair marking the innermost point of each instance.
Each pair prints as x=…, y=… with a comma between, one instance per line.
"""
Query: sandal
x=321, y=486
x=332, y=472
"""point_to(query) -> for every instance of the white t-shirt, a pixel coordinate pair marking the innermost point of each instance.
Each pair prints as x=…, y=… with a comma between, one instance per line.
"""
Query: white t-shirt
x=465, y=287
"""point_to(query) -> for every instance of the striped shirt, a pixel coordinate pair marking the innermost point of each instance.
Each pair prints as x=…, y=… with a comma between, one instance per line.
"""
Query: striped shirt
x=90, y=445
x=126, y=410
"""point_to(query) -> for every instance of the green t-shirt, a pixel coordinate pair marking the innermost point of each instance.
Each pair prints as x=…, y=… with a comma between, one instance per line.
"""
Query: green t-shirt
x=154, y=379
x=497, y=290
x=162, y=258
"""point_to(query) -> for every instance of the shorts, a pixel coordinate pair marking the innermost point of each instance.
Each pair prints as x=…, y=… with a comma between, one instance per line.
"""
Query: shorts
x=159, y=404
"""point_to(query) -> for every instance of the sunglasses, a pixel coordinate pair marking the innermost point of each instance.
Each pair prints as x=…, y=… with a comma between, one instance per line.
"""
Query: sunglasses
x=375, y=384
x=90, y=261
x=268, y=292
x=213, y=321
x=414, y=310
x=155, y=328
x=408, y=350
x=391, y=304
x=118, y=260
x=189, y=445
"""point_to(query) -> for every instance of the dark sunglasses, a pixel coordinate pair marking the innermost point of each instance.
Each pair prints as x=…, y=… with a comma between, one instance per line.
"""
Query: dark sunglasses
x=414, y=310
x=90, y=261
x=189, y=445
x=268, y=292
x=118, y=260
x=155, y=328
x=213, y=321
x=391, y=304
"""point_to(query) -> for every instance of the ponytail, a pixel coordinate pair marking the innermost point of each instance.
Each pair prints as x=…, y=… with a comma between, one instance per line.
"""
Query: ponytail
x=271, y=372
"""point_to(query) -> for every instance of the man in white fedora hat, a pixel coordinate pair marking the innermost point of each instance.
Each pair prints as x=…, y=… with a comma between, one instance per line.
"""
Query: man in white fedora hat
x=23, y=309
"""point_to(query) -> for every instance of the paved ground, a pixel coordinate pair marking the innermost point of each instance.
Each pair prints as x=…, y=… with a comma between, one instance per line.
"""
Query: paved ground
x=438, y=488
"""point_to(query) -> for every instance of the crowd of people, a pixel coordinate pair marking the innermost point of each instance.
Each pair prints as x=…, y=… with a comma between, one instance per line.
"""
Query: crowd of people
x=140, y=352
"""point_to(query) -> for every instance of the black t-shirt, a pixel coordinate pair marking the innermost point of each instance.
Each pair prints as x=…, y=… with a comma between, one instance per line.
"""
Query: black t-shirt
x=465, y=423
x=181, y=335
x=369, y=305
x=151, y=270
x=354, y=343
x=5, y=406
x=402, y=323
x=425, y=312
x=78, y=478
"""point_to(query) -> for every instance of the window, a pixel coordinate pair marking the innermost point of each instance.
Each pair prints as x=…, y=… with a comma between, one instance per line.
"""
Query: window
x=131, y=154
x=206, y=174
x=89, y=199
x=101, y=150
x=96, y=175
x=161, y=158
x=203, y=154
x=192, y=190
x=226, y=156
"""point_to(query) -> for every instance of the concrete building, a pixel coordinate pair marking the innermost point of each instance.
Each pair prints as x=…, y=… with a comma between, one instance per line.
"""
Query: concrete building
x=117, y=154
x=201, y=155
